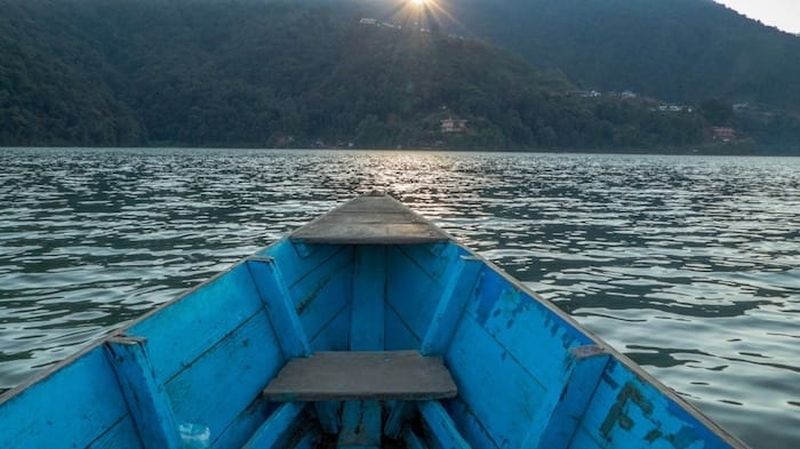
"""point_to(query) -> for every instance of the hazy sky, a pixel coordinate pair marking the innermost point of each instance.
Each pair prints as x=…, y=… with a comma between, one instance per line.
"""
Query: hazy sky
x=784, y=14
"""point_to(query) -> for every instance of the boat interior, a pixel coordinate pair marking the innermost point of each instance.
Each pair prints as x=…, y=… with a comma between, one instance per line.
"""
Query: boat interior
x=361, y=339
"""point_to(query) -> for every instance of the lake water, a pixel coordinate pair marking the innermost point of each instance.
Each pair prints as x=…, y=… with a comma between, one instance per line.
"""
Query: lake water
x=690, y=265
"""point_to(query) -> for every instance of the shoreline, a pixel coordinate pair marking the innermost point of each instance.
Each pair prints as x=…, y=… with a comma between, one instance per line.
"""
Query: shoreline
x=671, y=151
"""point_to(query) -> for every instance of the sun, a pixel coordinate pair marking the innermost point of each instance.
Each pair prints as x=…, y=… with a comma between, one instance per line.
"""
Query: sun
x=426, y=13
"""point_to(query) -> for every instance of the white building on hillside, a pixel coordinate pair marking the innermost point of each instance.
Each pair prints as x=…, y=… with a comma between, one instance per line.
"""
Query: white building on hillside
x=454, y=126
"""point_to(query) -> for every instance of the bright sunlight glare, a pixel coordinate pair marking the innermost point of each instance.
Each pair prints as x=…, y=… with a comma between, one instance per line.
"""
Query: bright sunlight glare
x=424, y=14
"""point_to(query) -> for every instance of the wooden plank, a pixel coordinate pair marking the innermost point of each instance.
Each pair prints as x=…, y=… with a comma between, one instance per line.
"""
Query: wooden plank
x=147, y=399
x=529, y=332
x=361, y=425
x=414, y=302
x=334, y=336
x=509, y=349
x=471, y=427
x=587, y=366
x=186, y=329
x=369, y=290
x=626, y=410
x=441, y=426
x=328, y=415
x=70, y=408
x=244, y=425
x=370, y=219
x=399, y=335
x=361, y=420
x=227, y=379
x=323, y=293
x=399, y=413
x=297, y=260
x=412, y=440
x=276, y=428
x=330, y=376
x=122, y=435
x=307, y=441
x=487, y=376
x=434, y=259
x=279, y=307
x=459, y=289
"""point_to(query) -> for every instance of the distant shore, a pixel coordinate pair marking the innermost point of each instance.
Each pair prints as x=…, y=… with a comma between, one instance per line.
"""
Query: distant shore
x=697, y=150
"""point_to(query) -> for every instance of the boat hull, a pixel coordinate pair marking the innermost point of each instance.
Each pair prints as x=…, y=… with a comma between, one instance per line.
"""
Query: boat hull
x=527, y=375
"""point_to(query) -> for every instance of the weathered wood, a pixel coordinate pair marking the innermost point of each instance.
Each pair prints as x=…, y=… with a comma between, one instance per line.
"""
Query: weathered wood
x=280, y=309
x=307, y=441
x=441, y=426
x=361, y=425
x=458, y=291
x=328, y=415
x=187, y=329
x=147, y=400
x=224, y=382
x=412, y=440
x=370, y=219
x=330, y=376
x=276, y=428
x=361, y=420
x=369, y=287
x=399, y=413
x=73, y=407
x=588, y=364
x=213, y=349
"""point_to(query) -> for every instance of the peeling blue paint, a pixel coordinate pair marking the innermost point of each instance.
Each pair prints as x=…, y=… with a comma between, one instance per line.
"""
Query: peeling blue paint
x=527, y=376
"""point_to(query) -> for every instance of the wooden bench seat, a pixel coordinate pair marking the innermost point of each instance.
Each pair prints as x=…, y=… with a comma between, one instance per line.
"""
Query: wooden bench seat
x=352, y=376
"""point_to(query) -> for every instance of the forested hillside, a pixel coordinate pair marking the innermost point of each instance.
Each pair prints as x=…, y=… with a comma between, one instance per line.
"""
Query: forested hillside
x=290, y=74
x=679, y=50
x=683, y=51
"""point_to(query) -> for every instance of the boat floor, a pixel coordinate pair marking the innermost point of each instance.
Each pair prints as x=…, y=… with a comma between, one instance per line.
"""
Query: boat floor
x=331, y=442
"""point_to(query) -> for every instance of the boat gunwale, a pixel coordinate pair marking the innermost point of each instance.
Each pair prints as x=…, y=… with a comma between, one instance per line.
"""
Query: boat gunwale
x=10, y=394
x=637, y=370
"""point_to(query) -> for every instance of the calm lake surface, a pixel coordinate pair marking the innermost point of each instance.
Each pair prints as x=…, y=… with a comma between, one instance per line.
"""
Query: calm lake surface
x=690, y=265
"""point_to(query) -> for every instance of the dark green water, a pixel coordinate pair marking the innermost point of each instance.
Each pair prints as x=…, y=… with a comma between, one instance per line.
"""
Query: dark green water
x=690, y=265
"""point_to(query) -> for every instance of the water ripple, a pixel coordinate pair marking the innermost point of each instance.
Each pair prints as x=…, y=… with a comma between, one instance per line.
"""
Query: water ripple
x=687, y=264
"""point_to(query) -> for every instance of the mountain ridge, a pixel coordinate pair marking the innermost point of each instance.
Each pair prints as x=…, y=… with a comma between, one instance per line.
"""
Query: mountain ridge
x=681, y=50
x=250, y=73
x=277, y=74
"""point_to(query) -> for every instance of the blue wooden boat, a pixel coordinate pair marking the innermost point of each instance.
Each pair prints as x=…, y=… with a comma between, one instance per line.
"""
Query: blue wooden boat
x=368, y=327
